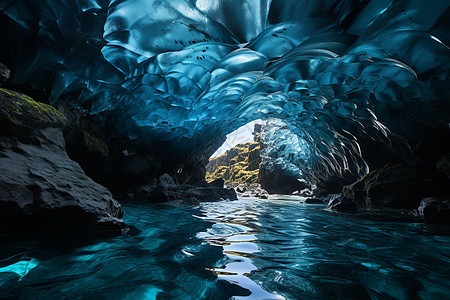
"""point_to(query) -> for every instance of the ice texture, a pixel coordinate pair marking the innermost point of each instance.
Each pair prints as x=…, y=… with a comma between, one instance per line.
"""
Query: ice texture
x=182, y=72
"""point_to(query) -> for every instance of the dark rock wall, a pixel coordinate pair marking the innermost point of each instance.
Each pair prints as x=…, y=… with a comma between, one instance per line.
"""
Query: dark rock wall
x=40, y=186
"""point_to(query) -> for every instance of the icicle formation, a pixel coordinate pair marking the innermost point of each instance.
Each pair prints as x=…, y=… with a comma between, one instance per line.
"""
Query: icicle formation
x=185, y=71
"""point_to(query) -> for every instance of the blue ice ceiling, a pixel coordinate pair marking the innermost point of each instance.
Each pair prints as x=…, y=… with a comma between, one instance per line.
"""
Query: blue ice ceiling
x=183, y=72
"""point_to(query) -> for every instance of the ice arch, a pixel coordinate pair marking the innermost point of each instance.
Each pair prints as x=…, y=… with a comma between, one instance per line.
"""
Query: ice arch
x=184, y=72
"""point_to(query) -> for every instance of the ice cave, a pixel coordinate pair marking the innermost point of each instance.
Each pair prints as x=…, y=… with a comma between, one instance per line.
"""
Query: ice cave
x=110, y=111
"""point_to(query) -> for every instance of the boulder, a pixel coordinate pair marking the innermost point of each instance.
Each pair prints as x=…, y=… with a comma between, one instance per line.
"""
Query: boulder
x=251, y=190
x=341, y=203
x=40, y=186
x=241, y=188
x=394, y=186
x=313, y=201
x=164, y=189
x=261, y=193
x=434, y=209
x=305, y=193
x=332, y=185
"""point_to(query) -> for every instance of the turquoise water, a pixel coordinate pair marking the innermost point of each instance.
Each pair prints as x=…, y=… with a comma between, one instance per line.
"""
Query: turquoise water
x=245, y=249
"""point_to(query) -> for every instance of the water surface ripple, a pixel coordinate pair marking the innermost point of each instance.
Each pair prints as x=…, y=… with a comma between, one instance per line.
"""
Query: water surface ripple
x=245, y=249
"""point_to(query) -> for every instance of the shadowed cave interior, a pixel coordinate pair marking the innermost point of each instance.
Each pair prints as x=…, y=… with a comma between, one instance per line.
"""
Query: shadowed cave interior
x=175, y=77
x=133, y=97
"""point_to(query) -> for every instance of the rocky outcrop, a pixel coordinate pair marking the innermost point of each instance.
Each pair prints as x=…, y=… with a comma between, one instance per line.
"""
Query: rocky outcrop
x=333, y=185
x=340, y=203
x=85, y=138
x=314, y=200
x=278, y=181
x=240, y=164
x=277, y=174
x=393, y=186
x=40, y=186
x=165, y=189
x=112, y=159
x=251, y=190
x=436, y=210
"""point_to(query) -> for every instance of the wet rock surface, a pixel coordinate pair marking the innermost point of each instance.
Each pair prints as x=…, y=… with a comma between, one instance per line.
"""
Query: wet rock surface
x=434, y=209
x=165, y=189
x=340, y=203
x=314, y=200
x=249, y=190
x=40, y=186
x=394, y=186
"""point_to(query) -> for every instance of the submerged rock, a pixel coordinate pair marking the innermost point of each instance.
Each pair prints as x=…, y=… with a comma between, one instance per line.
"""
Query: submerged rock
x=435, y=209
x=393, y=186
x=40, y=186
x=341, y=203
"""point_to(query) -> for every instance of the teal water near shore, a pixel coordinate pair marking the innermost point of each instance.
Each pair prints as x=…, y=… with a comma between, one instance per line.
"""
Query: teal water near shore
x=246, y=249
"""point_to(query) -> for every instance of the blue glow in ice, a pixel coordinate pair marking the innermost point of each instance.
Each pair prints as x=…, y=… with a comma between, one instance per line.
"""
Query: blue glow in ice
x=183, y=72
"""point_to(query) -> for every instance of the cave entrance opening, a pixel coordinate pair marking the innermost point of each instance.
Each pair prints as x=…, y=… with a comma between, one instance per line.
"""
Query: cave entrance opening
x=261, y=158
x=238, y=159
x=242, y=135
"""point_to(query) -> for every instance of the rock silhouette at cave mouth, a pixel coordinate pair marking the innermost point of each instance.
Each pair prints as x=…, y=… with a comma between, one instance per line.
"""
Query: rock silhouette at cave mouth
x=346, y=77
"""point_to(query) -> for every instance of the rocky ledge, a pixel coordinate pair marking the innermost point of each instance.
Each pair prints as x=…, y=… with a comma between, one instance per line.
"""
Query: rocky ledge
x=165, y=189
x=395, y=186
x=40, y=186
x=248, y=190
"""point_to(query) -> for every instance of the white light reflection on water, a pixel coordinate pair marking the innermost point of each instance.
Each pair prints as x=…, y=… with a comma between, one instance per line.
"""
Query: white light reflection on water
x=233, y=230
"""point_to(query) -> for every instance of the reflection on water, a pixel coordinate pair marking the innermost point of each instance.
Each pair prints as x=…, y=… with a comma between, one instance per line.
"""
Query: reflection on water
x=235, y=230
x=281, y=248
x=245, y=249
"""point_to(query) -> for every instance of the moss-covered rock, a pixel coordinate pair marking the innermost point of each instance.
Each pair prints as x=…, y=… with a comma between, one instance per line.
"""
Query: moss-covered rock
x=240, y=164
x=95, y=144
x=20, y=114
x=40, y=186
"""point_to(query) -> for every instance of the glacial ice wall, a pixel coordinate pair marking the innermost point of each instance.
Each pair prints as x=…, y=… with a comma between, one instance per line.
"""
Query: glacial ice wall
x=182, y=72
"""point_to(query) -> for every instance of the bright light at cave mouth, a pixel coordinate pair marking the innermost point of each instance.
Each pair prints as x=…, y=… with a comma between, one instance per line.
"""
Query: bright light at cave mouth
x=243, y=134
x=150, y=89
x=341, y=75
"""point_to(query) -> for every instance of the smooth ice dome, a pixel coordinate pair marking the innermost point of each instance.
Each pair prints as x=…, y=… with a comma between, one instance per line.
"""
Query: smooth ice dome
x=184, y=72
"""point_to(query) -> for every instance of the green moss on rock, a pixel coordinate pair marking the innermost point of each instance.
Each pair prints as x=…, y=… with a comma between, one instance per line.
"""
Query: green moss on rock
x=95, y=144
x=19, y=111
x=239, y=164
